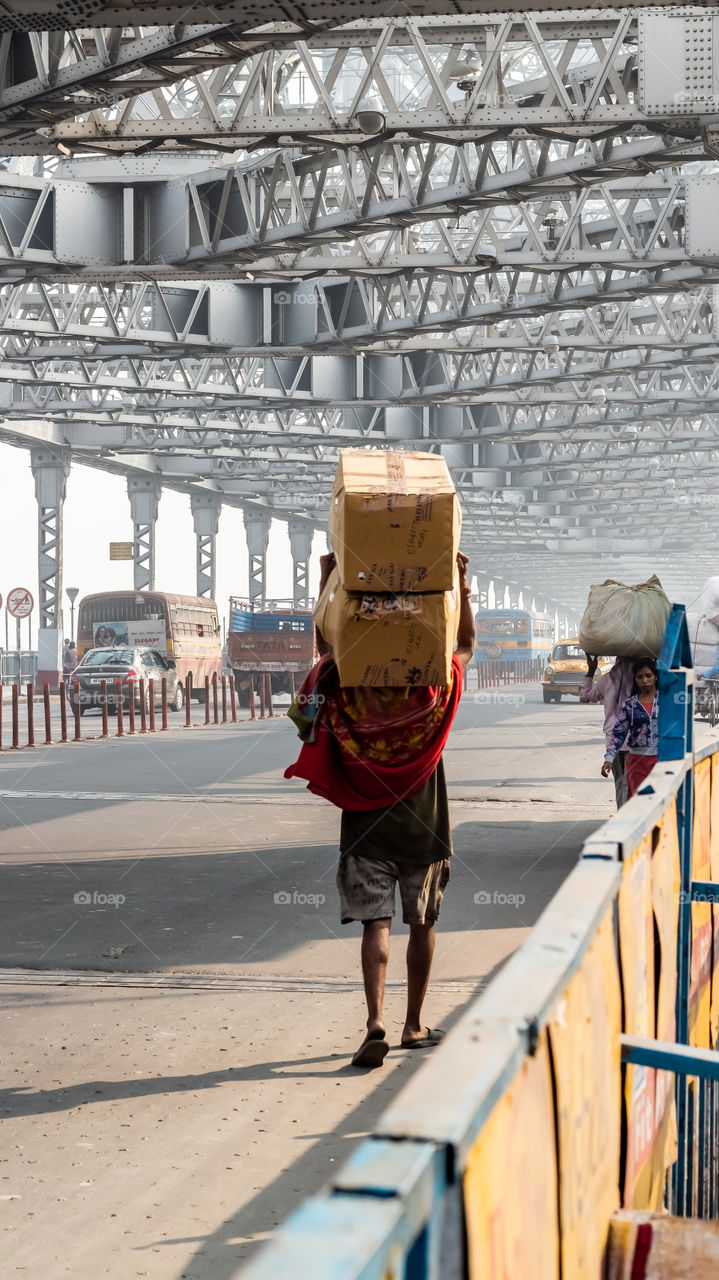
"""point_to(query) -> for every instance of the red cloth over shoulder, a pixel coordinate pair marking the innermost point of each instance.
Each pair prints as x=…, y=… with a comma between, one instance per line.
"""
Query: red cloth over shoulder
x=346, y=777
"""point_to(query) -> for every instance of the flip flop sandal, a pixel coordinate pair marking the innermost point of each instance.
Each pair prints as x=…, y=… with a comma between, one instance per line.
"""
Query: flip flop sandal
x=372, y=1052
x=427, y=1042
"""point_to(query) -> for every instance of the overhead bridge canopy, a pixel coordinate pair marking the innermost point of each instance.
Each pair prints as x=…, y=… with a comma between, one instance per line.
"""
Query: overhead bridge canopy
x=55, y=15
x=230, y=247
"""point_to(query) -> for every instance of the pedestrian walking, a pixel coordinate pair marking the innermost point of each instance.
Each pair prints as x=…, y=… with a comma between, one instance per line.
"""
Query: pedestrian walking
x=637, y=725
x=376, y=753
x=612, y=689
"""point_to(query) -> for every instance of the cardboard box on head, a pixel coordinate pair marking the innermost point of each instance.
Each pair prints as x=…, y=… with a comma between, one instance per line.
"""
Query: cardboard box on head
x=394, y=521
x=384, y=640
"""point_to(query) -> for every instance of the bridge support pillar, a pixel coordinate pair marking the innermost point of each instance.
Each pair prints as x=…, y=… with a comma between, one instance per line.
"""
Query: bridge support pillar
x=206, y=516
x=50, y=468
x=144, y=493
x=482, y=580
x=257, y=530
x=499, y=587
x=301, y=534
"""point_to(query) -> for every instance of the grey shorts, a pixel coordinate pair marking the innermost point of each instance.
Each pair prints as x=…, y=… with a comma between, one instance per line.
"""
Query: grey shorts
x=366, y=888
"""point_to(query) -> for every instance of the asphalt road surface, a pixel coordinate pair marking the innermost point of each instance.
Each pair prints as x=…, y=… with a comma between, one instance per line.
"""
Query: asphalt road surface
x=180, y=1001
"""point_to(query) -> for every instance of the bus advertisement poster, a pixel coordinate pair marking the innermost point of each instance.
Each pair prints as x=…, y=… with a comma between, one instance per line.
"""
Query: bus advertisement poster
x=148, y=634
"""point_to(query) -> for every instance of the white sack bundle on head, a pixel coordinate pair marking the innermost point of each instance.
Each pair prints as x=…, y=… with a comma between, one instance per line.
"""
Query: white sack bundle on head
x=701, y=631
x=625, y=621
x=707, y=606
x=703, y=656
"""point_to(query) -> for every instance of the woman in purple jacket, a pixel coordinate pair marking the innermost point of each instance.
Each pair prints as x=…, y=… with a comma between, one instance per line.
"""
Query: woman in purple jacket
x=637, y=725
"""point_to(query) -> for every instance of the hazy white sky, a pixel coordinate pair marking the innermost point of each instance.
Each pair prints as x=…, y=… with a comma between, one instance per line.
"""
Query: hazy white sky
x=97, y=511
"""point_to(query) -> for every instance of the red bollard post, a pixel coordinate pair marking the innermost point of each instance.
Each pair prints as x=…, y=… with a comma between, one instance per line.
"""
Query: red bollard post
x=164, y=702
x=143, y=706
x=207, y=699
x=131, y=708
x=252, y=697
x=48, y=726
x=76, y=713
x=224, y=699
x=215, y=708
x=118, y=701
x=233, y=702
x=63, y=712
x=262, y=695
x=30, y=717
x=188, y=701
x=270, y=708
x=103, y=709
x=151, y=699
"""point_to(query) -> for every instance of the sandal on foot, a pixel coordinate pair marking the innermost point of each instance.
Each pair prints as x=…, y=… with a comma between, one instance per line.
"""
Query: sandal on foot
x=373, y=1050
x=427, y=1042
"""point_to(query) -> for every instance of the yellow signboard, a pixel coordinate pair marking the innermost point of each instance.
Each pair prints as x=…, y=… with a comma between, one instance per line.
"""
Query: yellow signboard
x=700, y=973
x=584, y=1037
x=510, y=1183
x=636, y=938
x=665, y=900
x=122, y=550
x=714, y=862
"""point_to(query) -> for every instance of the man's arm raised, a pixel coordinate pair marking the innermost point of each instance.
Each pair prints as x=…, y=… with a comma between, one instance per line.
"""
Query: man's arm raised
x=465, y=631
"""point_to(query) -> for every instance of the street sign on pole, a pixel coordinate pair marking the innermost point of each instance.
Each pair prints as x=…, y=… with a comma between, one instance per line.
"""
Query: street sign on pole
x=122, y=550
x=20, y=602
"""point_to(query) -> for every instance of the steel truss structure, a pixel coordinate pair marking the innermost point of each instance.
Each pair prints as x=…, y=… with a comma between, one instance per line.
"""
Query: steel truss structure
x=474, y=77
x=227, y=249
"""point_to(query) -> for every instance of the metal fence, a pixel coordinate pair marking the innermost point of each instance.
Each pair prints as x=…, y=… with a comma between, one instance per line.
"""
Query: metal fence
x=18, y=666
x=582, y=1080
x=496, y=672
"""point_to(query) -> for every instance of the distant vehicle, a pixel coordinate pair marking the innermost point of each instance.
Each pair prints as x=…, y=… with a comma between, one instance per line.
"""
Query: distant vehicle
x=566, y=670
x=275, y=637
x=184, y=628
x=511, y=635
x=129, y=665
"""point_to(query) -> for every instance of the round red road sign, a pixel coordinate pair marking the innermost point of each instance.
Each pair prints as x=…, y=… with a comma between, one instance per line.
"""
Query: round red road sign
x=20, y=602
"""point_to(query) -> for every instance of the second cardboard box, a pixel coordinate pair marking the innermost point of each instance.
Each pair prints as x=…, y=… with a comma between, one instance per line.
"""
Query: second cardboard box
x=383, y=640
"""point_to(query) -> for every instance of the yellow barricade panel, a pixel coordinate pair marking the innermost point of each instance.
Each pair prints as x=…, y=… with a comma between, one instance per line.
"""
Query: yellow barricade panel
x=666, y=881
x=584, y=1038
x=649, y=896
x=700, y=979
x=636, y=939
x=714, y=864
x=511, y=1213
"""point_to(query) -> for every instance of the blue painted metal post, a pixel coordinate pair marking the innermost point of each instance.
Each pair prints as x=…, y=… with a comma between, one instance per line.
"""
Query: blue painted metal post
x=676, y=726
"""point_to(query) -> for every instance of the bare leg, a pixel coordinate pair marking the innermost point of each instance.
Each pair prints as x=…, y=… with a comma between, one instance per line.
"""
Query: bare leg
x=375, y=955
x=420, y=950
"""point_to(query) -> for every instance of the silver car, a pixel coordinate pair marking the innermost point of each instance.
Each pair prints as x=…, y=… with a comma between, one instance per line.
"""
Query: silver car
x=129, y=665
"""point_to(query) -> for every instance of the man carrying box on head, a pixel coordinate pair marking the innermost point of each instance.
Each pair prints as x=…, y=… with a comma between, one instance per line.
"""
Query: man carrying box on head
x=376, y=752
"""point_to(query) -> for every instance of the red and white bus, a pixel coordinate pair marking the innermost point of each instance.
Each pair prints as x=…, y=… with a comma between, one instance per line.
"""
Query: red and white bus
x=185, y=628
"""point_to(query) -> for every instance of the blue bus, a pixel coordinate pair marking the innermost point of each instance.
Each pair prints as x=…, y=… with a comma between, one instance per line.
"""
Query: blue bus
x=512, y=635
